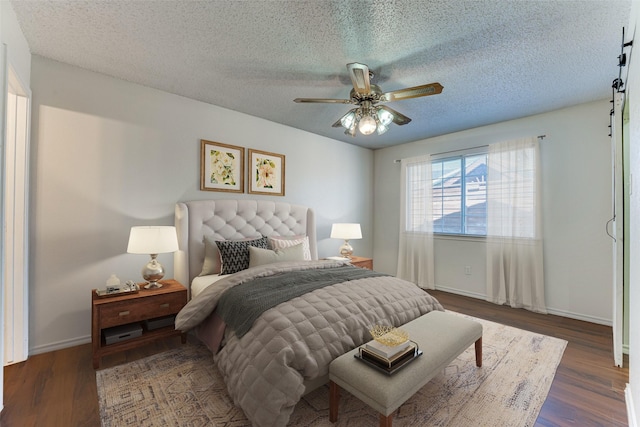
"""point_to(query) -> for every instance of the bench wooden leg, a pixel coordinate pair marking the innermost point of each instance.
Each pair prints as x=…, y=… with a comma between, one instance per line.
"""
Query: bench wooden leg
x=334, y=399
x=479, y=352
x=386, y=421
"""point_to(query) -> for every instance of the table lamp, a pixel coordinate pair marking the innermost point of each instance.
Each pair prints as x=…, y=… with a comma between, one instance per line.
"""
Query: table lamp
x=152, y=240
x=346, y=232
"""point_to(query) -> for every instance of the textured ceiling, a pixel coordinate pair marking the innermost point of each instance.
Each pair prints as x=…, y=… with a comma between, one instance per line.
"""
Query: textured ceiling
x=497, y=59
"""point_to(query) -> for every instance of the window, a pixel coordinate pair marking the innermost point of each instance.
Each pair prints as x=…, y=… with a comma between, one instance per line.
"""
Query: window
x=458, y=194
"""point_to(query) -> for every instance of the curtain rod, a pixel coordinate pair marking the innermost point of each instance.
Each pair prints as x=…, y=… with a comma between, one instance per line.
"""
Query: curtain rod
x=540, y=137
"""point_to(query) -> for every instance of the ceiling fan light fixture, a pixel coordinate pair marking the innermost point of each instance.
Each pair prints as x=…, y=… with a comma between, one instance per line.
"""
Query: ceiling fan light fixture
x=367, y=125
x=368, y=117
x=348, y=120
x=384, y=116
x=382, y=128
x=350, y=131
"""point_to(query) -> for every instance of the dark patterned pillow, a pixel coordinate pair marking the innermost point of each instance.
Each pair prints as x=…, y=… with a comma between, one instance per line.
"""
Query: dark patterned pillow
x=235, y=253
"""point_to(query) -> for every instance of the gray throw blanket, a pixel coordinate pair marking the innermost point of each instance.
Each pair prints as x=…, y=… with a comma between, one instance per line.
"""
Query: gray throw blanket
x=241, y=305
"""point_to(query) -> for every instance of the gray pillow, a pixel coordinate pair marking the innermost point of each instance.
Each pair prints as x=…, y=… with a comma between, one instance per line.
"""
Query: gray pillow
x=259, y=256
x=235, y=253
x=211, y=264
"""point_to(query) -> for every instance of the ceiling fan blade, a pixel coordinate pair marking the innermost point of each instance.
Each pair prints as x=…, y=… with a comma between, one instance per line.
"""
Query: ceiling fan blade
x=324, y=100
x=360, y=78
x=398, y=118
x=412, y=92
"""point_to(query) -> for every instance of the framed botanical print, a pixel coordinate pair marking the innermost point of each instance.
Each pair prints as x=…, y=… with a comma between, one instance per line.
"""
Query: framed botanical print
x=266, y=173
x=221, y=167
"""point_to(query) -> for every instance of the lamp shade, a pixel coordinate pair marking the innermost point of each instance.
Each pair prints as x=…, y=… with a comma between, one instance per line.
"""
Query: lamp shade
x=348, y=119
x=346, y=231
x=152, y=240
x=384, y=116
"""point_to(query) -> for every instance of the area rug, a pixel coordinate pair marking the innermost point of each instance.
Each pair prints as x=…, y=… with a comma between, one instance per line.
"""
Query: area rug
x=182, y=387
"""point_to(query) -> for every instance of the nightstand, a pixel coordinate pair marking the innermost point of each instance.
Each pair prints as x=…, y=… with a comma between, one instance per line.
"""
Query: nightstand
x=136, y=311
x=362, y=262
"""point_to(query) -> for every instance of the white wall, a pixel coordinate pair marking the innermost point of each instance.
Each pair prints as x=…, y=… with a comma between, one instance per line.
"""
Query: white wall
x=576, y=182
x=108, y=154
x=19, y=58
x=633, y=98
x=18, y=53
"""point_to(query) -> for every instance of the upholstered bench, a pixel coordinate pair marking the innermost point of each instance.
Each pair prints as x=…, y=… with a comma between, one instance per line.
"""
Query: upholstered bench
x=440, y=335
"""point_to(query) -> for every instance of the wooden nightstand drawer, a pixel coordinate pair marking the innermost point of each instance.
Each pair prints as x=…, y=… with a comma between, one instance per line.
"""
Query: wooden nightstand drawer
x=134, y=310
x=137, y=310
x=362, y=262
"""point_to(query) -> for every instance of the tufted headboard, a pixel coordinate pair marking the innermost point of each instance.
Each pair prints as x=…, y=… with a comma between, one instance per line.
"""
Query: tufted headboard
x=234, y=219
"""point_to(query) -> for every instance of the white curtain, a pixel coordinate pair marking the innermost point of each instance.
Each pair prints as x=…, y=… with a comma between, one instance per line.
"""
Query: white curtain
x=514, y=232
x=415, y=254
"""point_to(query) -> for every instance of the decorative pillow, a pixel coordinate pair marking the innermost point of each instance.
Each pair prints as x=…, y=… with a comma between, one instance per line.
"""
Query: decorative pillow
x=235, y=253
x=282, y=242
x=259, y=256
x=211, y=264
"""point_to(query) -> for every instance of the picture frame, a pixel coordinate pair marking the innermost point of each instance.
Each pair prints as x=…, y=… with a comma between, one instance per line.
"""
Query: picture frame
x=221, y=167
x=266, y=173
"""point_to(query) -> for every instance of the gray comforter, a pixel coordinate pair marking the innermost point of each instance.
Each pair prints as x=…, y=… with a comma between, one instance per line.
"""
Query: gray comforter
x=295, y=341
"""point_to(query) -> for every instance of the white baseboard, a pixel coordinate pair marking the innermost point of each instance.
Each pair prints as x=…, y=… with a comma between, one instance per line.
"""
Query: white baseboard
x=562, y=313
x=60, y=345
x=460, y=292
x=631, y=413
x=571, y=315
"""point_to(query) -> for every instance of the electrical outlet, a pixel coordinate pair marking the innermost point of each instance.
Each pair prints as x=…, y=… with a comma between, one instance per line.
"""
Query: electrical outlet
x=467, y=270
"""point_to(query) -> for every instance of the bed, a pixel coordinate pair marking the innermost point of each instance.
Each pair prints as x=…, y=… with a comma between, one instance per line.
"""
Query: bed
x=314, y=310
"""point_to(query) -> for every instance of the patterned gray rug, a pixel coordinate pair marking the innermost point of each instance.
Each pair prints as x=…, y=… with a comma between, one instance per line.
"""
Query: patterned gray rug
x=182, y=387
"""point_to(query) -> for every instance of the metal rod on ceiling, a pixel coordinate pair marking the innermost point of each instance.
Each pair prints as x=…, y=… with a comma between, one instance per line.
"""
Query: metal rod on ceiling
x=540, y=137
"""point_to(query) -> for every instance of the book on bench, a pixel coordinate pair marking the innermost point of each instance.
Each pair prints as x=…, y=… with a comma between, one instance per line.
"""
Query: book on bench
x=396, y=360
x=385, y=361
x=385, y=350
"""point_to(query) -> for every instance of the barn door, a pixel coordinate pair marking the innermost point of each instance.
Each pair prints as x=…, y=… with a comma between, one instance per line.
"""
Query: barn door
x=615, y=228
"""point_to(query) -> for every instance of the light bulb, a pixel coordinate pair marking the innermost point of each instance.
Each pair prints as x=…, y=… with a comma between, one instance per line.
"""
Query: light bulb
x=385, y=116
x=367, y=125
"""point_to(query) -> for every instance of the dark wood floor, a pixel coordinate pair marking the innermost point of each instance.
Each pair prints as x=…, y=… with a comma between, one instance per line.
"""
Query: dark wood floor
x=59, y=388
x=588, y=389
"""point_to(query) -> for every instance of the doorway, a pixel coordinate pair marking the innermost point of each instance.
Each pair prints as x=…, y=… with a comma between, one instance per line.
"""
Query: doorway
x=15, y=216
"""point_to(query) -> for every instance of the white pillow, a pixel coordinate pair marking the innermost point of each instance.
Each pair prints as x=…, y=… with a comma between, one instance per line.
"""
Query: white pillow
x=258, y=256
x=282, y=242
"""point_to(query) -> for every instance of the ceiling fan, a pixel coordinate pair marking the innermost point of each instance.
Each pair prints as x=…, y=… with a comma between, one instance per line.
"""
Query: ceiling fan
x=369, y=116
